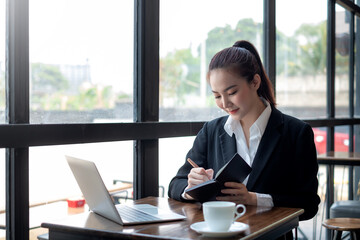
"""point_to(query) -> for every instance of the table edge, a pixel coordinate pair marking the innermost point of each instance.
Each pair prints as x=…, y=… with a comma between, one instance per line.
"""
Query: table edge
x=275, y=224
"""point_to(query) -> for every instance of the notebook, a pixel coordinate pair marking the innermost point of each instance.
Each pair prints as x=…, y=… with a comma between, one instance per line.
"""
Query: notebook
x=101, y=203
x=235, y=170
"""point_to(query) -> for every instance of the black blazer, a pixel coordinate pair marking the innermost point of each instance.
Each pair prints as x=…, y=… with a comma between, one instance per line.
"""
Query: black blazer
x=285, y=165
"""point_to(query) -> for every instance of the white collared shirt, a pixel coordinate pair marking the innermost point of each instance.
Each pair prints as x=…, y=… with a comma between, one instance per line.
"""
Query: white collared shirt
x=248, y=153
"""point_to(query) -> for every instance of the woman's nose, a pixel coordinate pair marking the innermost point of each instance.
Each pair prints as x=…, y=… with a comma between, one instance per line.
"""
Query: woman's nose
x=226, y=103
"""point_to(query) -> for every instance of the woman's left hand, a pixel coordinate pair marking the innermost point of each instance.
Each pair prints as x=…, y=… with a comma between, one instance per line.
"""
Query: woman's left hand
x=238, y=193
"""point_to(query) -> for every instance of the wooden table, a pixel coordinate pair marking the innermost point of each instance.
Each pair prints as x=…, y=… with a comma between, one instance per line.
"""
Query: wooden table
x=340, y=158
x=264, y=223
x=337, y=158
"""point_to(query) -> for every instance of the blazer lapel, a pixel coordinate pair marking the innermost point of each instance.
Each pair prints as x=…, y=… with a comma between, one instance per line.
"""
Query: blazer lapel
x=228, y=147
x=267, y=145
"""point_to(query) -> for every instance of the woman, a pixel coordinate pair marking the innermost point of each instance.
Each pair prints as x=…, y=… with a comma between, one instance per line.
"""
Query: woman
x=279, y=148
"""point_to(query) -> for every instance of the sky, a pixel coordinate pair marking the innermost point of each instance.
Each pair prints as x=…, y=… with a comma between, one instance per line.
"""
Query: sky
x=81, y=31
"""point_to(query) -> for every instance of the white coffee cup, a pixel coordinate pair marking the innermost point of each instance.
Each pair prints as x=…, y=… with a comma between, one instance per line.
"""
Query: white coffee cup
x=220, y=215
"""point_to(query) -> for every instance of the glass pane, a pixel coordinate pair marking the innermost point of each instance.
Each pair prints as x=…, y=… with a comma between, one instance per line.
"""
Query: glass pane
x=341, y=178
x=2, y=60
x=313, y=226
x=320, y=139
x=81, y=61
x=341, y=139
x=357, y=168
x=301, y=73
x=342, y=45
x=2, y=234
x=341, y=183
x=315, y=223
x=310, y=228
x=172, y=153
x=52, y=182
x=301, y=58
x=2, y=194
x=187, y=45
x=356, y=171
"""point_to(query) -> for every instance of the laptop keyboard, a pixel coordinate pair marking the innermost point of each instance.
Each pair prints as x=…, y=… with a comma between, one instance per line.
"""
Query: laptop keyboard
x=130, y=214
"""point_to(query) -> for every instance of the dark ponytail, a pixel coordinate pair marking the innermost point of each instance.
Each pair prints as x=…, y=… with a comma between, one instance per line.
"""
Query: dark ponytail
x=244, y=59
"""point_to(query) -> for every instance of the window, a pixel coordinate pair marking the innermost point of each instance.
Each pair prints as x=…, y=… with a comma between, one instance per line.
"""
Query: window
x=356, y=169
x=187, y=45
x=342, y=45
x=81, y=71
x=341, y=177
x=301, y=74
x=2, y=192
x=81, y=61
x=301, y=58
x=2, y=115
x=2, y=60
x=50, y=176
x=172, y=155
x=114, y=161
x=2, y=180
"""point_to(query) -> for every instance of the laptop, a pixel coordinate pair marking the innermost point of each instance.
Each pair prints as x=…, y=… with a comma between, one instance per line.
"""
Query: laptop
x=101, y=203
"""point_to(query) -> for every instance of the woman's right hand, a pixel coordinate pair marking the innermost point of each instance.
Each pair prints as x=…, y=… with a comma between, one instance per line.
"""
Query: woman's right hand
x=197, y=176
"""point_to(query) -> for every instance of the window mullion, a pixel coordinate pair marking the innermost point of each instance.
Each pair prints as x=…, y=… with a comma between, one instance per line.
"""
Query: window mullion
x=17, y=111
x=146, y=95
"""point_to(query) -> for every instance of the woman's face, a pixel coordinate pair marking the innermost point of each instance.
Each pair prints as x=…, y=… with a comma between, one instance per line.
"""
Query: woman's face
x=234, y=94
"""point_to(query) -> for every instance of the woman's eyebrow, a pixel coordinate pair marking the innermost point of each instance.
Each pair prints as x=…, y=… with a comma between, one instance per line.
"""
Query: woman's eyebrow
x=226, y=89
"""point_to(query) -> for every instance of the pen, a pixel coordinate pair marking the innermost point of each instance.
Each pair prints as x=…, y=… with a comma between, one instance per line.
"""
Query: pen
x=192, y=163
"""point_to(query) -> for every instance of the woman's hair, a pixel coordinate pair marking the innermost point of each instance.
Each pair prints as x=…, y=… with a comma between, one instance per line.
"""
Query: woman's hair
x=243, y=59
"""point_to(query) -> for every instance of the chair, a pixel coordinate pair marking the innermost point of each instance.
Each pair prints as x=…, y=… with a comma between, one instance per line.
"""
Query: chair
x=340, y=210
x=338, y=225
x=123, y=194
x=346, y=209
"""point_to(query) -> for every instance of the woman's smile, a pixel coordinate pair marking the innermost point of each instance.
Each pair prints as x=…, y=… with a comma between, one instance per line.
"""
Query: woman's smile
x=233, y=111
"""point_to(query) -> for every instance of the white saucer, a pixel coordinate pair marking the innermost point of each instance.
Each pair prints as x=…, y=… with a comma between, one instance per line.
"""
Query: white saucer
x=202, y=228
